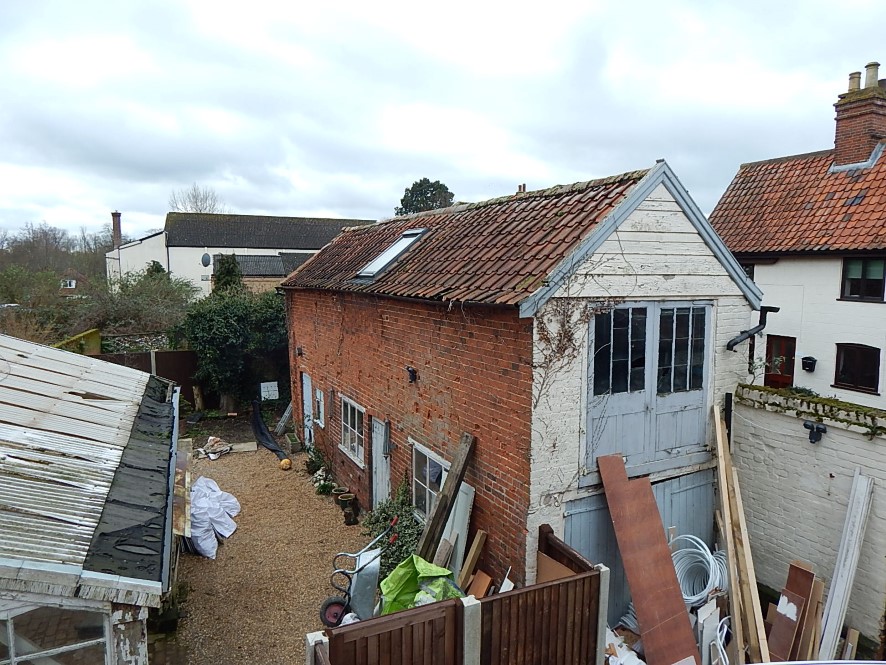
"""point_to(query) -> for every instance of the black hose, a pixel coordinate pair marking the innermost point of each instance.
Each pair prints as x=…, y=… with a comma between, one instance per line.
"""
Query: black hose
x=262, y=435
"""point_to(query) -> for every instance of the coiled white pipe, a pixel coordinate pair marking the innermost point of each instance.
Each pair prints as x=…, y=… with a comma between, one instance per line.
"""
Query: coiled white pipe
x=722, y=632
x=698, y=571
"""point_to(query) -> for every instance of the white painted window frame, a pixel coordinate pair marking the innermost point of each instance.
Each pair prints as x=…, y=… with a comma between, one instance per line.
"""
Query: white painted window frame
x=429, y=493
x=9, y=610
x=319, y=407
x=347, y=428
x=69, y=283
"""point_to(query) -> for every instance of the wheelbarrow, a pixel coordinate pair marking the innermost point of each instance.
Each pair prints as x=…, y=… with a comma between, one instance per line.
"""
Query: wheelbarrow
x=357, y=585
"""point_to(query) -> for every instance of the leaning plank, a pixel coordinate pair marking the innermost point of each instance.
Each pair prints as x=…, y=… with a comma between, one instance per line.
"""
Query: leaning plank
x=724, y=474
x=444, y=551
x=801, y=581
x=471, y=560
x=850, y=645
x=847, y=561
x=759, y=647
x=430, y=537
x=664, y=621
x=784, y=625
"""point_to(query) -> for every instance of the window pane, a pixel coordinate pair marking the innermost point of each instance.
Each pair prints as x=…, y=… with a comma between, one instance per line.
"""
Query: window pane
x=873, y=269
x=421, y=500
x=696, y=370
x=4, y=650
x=94, y=655
x=420, y=471
x=435, y=475
x=638, y=349
x=853, y=268
x=858, y=366
x=602, y=352
x=620, y=334
x=50, y=627
x=665, y=350
x=872, y=288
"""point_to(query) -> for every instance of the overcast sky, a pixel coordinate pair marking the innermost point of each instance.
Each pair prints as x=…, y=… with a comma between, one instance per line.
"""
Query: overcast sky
x=293, y=108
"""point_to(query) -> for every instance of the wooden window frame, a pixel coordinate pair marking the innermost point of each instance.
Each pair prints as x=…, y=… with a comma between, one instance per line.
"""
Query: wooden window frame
x=429, y=493
x=348, y=408
x=842, y=348
x=844, y=277
x=319, y=407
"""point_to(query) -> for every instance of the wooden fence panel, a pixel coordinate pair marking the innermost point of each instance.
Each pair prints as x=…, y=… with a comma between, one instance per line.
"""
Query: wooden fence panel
x=429, y=635
x=555, y=622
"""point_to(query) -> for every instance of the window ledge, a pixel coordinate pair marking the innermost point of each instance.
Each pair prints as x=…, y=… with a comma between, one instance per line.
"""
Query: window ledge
x=355, y=460
x=870, y=300
x=856, y=389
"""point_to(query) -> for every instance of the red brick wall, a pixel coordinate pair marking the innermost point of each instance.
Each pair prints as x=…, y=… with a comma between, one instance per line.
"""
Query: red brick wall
x=860, y=126
x=474, y=375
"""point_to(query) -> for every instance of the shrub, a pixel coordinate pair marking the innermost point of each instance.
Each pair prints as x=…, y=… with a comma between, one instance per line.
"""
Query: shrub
x=408, y=528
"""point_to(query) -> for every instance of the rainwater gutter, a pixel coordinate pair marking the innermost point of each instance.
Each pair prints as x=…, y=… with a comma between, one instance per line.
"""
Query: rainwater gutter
x=167, y=539
x=745, y=334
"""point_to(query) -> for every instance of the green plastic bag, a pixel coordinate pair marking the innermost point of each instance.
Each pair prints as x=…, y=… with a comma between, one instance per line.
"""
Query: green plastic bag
x=416, y=582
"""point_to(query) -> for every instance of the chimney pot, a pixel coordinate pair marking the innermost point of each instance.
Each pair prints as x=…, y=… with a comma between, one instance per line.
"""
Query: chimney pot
x=871, y=71
x=854, y=81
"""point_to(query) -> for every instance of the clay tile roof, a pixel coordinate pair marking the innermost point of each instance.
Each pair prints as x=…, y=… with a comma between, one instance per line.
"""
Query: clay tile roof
x=495, y=252
x=793, y=204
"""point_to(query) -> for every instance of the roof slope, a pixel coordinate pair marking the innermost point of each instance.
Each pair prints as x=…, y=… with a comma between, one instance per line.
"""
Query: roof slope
x=191, y=229
x=85, y=459
x=257, y=265
x=495, y=252
x=795, y=204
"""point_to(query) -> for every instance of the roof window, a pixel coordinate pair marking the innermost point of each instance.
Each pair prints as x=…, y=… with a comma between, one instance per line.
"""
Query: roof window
x=387, y=257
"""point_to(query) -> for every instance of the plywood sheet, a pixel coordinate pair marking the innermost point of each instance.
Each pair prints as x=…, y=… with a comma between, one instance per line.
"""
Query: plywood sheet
x=784, y=625
x=550, y=570
x=664, y=621
x=801, y=579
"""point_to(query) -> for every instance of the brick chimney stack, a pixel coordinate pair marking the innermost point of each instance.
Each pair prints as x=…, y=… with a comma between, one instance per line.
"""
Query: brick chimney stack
x=116, y=231
x=861, y=117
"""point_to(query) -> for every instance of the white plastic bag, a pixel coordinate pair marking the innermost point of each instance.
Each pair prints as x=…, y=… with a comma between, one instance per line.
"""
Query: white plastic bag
x=211, y=513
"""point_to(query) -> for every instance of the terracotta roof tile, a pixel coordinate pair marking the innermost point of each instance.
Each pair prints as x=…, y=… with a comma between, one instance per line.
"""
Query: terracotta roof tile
x=496, y=252
x=793, y=204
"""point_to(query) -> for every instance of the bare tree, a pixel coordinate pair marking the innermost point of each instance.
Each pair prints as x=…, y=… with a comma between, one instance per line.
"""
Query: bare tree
x=196, y=199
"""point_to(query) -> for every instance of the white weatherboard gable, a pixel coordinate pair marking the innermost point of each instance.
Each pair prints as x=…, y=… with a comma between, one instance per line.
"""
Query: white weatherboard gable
x=655, y=253
x=660, y=176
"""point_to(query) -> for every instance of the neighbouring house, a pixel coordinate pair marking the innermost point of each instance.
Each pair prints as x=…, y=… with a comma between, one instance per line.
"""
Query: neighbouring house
x=264, y=272
x=811, y=231
x=556, y=326
x=71, y=283
x=188, y=241
x=90, y=505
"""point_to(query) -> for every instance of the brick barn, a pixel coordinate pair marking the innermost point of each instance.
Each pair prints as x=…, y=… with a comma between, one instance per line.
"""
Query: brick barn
x=555, y=326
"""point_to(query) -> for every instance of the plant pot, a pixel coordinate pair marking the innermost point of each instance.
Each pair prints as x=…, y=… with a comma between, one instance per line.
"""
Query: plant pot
x=345, y=500
x=338, y=491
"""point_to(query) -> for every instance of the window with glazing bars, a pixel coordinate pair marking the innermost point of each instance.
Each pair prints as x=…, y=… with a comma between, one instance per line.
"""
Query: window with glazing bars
x=681, y=351
x=620, y=351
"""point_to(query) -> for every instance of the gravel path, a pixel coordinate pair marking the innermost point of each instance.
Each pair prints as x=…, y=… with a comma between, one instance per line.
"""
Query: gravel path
x=257, y=599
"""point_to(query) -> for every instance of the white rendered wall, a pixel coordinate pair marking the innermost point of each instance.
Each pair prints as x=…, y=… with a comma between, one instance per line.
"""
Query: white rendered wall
x=796, y=495
x=807, y=291
x=136, y=255
x=655, y=254
x=186, y=263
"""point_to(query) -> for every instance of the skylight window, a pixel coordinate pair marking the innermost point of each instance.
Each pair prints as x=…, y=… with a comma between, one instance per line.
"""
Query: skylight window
x=382, y=261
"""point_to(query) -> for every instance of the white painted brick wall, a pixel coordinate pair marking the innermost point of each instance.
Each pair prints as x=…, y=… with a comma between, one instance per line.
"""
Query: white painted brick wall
x=653, y=242
x=796, y=495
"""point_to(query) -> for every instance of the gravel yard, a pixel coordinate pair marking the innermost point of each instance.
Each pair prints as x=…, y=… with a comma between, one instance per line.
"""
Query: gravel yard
x=262, y=593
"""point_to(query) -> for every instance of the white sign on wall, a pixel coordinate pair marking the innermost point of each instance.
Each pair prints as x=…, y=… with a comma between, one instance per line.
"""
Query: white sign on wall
x=269, y=390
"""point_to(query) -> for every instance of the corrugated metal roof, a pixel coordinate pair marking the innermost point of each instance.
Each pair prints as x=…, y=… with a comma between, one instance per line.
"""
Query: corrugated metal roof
x=193, y=229
x=66, y=424
x=798, y=204
x=495, y=252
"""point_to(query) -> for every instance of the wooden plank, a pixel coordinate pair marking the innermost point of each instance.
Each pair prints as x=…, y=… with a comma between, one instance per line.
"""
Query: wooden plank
x=430, y=537
x=784, y=625
x=810, y=621
x=548, y=570
x=471, y=560
x=800, y=582
x=724, y=474
x=664, y=621
x=753, y=613
x=816, y=638
x=480, y=586
x=444, y=551
x=847, y=561
x=850, y=644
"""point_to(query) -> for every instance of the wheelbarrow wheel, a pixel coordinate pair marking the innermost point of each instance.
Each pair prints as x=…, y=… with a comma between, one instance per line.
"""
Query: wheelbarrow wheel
x=332, y=610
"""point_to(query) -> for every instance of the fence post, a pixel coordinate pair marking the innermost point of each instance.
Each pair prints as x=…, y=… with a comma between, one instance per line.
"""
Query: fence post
x=311, y=640
x=473, y=630
x=602, y=612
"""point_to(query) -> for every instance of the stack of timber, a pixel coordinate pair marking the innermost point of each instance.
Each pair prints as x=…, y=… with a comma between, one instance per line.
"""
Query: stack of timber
x=749, y=643
x=795, y=622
